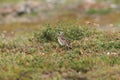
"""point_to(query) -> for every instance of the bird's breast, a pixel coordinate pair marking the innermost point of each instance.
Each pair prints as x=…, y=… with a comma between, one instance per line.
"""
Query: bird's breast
x=60, y=41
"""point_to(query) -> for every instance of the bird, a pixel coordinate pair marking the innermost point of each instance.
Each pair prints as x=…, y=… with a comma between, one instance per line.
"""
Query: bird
x=62, y=40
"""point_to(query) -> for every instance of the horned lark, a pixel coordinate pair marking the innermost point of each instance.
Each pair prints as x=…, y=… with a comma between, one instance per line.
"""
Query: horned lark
x=62, y=40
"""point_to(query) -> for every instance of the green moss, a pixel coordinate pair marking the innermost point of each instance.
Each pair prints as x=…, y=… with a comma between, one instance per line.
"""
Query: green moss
x=100, y=11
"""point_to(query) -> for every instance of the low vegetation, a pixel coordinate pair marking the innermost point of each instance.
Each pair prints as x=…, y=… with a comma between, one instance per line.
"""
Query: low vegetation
x=37, y=55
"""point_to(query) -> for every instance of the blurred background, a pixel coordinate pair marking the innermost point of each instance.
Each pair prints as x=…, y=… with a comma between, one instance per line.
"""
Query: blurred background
x=103, y=14
x=38, y=11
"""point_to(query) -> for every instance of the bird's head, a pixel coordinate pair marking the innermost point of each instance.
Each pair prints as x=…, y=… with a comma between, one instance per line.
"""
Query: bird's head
x=60, y=33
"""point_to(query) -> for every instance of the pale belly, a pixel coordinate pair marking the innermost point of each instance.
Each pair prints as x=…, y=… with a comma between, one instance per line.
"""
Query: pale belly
x=60, y=42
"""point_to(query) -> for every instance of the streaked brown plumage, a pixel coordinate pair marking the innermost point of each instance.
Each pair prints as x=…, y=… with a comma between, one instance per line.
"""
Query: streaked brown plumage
x=62, y=40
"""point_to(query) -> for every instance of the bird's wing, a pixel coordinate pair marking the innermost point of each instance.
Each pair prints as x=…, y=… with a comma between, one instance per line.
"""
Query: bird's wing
x=65, y=39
